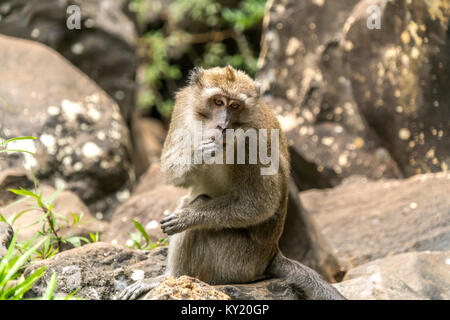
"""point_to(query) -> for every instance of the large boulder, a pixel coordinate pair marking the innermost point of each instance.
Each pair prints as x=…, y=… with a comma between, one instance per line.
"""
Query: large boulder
x=355, y=100
x=100, y=271
x=367, y=220
x=408, y=276
x=104, y=48
x=82, y=141
x=400, y=76
x=304, y=82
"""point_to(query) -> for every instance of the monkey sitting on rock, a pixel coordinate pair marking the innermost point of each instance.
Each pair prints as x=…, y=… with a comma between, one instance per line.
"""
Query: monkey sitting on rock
x=226, y=231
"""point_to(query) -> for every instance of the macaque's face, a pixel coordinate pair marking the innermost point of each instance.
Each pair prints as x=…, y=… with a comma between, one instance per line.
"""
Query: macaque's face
x=228, y=100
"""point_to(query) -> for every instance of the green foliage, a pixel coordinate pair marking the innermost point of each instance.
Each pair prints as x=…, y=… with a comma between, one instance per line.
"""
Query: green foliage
x=45, y=244
x=141, y=239
x=51, y=222
x=169, y=50
x=13, y=284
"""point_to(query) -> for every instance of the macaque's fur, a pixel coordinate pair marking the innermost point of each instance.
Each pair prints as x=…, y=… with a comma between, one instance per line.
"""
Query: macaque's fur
x=227, y=229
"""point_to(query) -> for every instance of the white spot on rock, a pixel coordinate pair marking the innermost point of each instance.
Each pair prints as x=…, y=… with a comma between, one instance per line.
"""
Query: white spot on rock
x=70, y=109
x=53, y=111
x=138, y=275
x=123, y=196
x=49, y=142
x=91, y=150
x=152, y=225
x=60, y=184
x=404, y=133
x=94, y=114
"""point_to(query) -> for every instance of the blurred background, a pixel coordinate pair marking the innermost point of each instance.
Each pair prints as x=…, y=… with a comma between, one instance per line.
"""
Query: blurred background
x=361, y=88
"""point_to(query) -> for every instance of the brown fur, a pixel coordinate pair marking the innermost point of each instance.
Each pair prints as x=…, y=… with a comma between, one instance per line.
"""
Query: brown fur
x=227, y=230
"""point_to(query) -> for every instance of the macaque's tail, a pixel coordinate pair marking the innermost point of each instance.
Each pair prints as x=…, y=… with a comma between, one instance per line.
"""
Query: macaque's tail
x=305, y=281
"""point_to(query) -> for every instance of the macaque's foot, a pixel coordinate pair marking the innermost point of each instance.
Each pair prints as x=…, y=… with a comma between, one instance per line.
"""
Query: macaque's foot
x=138, y=289
x=174, y=223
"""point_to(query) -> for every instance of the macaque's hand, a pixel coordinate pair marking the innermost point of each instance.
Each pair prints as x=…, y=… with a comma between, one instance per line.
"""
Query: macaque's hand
x=177, y=222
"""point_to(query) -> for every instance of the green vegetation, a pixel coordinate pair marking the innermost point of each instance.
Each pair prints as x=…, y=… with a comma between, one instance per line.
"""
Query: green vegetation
x=193, y=33
x=46, y=243
x=141, y=239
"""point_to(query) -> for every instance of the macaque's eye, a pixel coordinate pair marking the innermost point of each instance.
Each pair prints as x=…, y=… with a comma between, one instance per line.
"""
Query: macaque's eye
x=218, y=102
x=235, y=106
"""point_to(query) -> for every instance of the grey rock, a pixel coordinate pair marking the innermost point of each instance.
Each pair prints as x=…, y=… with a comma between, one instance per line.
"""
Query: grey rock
x=304, y=81
x=82, y=141
x=367, y=220
x=408, y=276
x=104, y=47
x=6, y=235
x=100, y=271
x=400, y=76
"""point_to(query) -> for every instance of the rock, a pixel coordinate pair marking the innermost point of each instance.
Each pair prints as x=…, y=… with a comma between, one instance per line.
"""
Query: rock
x=6, y=235
x=408, y=276
x=12, y=179
x=152, y=178
x=271, y=289
x=366, y=220
x=66, y=203
x=82, y=141
x=304, y=82
x=99, y=270
x=400, y=76
x=302, y=241
x=188, y=288
x=104, y=47
x=185, y=288
x=356, y=100
x=148, y=208
x=149, y=135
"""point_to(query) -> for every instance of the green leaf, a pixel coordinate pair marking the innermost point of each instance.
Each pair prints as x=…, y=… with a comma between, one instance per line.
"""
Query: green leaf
x=16, y=139
x=142, y=231
x=50, y=288
x=71, y=295
x=23, y=287
x=16, y=150
x=24, y=192
x=21, y=261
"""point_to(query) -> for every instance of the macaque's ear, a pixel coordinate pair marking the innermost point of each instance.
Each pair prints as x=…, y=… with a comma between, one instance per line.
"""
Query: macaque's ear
x=231, y=75
x=195, y=76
